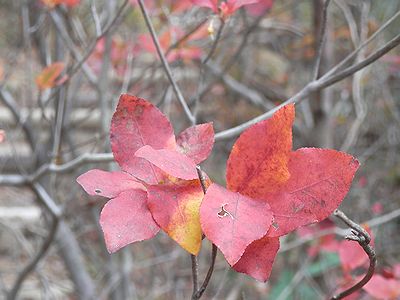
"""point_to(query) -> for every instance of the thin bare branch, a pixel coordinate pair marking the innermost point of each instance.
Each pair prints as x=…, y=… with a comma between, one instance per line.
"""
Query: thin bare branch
x=12, y=295
x=56, y=215
x=165, y=63
x=17, y=179
x=322, y=37
x=353, y=54
x=311, y=87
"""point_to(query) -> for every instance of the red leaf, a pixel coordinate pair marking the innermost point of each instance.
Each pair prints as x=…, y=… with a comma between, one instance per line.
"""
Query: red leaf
x=136, y=123
x=126, y=219
x=175, y=208
x=197, y=142
x=107, y=184
x=382, y=288
x=311, y=196
x=232, y=221
x=257, y=164
x=170, y=161
x=258, y=258
x=48, y=78
x=262, y=166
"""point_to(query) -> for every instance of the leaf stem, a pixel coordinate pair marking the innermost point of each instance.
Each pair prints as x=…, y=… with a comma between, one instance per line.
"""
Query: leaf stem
x=198, y=292
x=195, y=273
x=203, y=287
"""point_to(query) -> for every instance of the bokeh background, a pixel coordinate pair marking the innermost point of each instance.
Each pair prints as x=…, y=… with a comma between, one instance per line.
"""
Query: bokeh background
x=261, y=57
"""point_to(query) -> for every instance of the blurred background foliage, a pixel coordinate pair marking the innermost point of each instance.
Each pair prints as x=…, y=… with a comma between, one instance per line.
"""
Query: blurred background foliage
x=259, y=62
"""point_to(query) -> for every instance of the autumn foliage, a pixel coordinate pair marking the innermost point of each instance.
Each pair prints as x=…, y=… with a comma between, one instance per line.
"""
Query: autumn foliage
x=271, y=189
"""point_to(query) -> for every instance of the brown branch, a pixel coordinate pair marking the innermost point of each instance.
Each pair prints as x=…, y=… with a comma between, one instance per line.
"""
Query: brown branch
x=361, y=236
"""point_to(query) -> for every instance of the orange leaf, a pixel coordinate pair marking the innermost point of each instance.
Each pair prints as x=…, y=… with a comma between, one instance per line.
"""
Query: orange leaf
x=258, y=162
x=49, y=77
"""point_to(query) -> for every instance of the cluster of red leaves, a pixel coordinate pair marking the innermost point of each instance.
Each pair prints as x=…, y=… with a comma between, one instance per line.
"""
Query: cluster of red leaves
x=271, y=189
x=158, y=186
x=53, y=3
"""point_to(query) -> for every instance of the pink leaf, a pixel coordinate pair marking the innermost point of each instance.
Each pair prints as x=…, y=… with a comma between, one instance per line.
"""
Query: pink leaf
x=170, y=161
x=232, y=221
x=197, y=142
x=380, y=287
x=258, y=258
x=107, y=184
x=136, y=123
x=126, y=219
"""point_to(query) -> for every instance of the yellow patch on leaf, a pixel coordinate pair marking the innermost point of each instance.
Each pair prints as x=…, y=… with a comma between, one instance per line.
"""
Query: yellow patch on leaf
x=175, y=208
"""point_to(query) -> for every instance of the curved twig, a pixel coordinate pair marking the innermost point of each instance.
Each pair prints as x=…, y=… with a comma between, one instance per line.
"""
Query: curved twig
x=361, y=236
